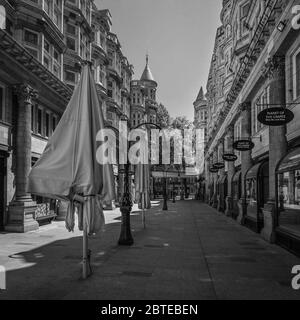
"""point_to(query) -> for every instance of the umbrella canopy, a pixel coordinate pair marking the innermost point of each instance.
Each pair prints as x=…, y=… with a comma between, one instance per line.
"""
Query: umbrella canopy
x=68, y=165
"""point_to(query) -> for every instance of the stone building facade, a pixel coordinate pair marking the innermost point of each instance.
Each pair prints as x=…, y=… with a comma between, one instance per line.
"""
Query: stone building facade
x=42, y=46
x=256, y=66
x=200, y=123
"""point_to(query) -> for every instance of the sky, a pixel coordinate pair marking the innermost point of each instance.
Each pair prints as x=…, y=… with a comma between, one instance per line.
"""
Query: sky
x=179, y=37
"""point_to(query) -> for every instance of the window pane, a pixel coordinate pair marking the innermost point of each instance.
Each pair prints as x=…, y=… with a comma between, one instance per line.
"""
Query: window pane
x=47, y=124
x=31, y=37
x=71, y=29
x=71, y=43
x=39, y=121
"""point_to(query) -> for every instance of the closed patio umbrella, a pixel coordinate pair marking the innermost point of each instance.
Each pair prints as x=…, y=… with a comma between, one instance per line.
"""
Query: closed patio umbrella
x=142, y=179
x=68, y=168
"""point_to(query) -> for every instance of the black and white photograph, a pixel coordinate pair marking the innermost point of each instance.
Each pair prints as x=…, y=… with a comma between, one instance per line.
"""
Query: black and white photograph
x=149, y=153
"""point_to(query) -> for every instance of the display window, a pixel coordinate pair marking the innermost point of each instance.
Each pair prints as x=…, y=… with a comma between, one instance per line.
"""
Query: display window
x=288, y=194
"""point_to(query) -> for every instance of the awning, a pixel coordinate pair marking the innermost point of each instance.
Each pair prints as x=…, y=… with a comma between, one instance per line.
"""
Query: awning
x=290, y=162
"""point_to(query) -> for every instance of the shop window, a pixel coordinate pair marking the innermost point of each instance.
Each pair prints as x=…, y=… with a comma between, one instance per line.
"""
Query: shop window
x=257, y=185
x=296, y=74
x=288, y=176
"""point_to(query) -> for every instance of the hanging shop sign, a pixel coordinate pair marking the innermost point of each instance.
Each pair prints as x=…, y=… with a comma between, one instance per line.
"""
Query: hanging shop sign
x=213, y=170
x=219, y=165
x=229, y=157
x=274, y=117
x=243, y=145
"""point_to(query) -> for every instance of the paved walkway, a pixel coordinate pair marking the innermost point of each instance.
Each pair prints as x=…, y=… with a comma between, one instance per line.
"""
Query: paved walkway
x=189, y=252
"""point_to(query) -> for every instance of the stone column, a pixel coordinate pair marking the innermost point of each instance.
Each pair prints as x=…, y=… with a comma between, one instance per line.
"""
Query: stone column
x=275, y=71
x=21, y=211
x=245, y=109
x=231, y=171
x=207, y=180
x=221, y=172
x=215, y=175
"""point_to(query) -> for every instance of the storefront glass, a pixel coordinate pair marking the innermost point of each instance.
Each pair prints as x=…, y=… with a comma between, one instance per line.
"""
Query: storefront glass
x=288, y=200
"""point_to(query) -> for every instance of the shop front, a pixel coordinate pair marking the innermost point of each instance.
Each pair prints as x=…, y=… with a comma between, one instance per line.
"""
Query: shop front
x=288, y=202
x=222, y=193
x=257, y=191
x=236, y=187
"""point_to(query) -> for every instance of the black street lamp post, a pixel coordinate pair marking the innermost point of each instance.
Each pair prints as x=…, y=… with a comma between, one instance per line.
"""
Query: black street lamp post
x=126, y=204
x=126, y=238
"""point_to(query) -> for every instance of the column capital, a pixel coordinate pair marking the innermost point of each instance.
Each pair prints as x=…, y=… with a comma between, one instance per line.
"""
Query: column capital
x=26, y=93
x=229, y=130
x=245, y=106
x=274, y=67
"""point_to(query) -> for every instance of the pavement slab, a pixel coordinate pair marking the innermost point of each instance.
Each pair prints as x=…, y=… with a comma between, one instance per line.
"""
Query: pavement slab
x=190, y=252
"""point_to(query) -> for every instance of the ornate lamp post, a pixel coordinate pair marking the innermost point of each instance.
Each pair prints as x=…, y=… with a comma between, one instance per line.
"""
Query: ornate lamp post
x=126, y=202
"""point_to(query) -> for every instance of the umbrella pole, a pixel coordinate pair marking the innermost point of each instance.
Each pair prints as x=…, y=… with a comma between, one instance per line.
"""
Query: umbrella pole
x=85, y=262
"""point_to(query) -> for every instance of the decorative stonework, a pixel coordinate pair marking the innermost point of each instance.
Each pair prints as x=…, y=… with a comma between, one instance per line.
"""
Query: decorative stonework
x=274, y=67
x=25, y=93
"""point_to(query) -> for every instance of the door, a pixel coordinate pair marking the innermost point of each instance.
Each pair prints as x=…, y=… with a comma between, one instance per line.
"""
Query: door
x=2, y=191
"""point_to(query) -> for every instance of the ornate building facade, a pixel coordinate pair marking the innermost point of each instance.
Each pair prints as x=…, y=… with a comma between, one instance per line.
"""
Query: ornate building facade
x=200, y=123
x=143, y=97
x=42, y=46
x=255, y=66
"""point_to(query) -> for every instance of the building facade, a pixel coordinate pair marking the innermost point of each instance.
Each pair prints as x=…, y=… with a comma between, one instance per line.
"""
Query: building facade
x=255, y=66
x=200, y=123
x=42, y=46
